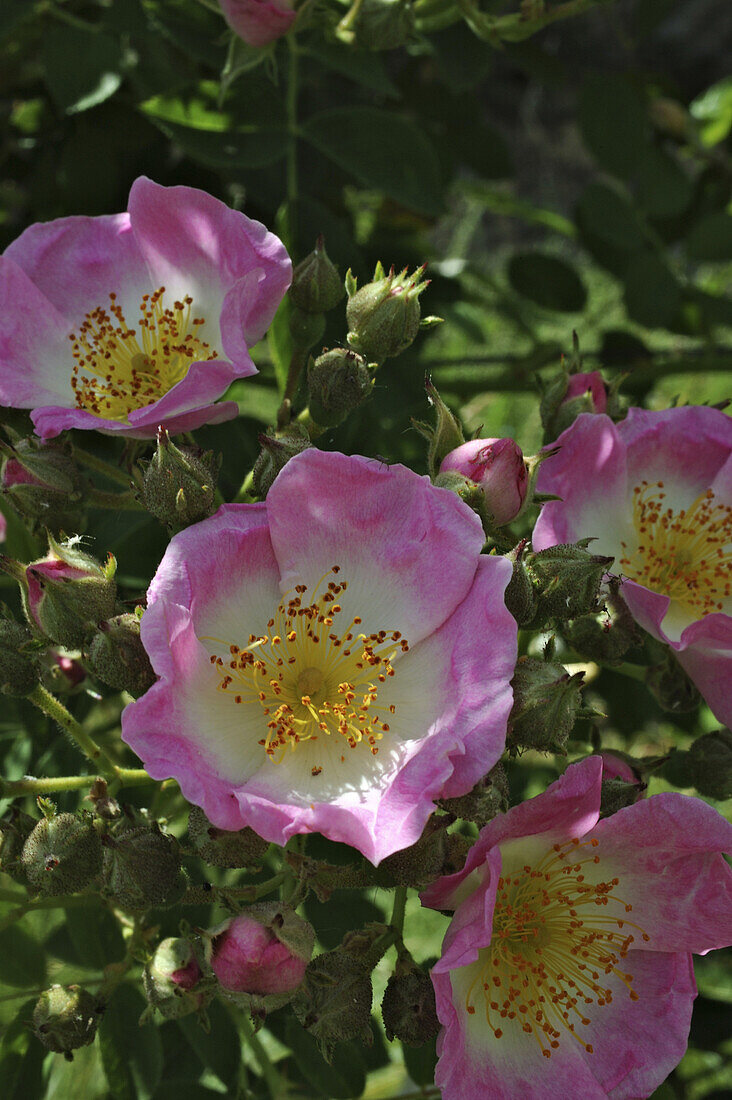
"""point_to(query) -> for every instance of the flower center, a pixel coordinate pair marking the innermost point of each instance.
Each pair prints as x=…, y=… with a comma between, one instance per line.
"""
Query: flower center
x=686, y=554
x=555, y=941
x=118, y=369
x=312, y=677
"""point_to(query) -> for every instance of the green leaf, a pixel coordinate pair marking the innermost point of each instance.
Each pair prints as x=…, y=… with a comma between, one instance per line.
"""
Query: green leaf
x=96, y=937
x=382, y=150
x=21, y=1058
x=421, y=1062
x=345, y=1078
x=132, y=1055
x=220, y=1049
x=713, y=109
x=22, y=959
x=652, y=293
x=614, y=123
x=604, y=212
x=362, y=66
x=664, y=190
x=83, y=1078
x=548, y=281
x=711, y=238
x=11, y=13
x=94, y=75
x=280, y=343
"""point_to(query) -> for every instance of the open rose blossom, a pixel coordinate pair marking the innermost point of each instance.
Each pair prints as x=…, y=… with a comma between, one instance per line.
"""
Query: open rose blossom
x=258, y=22
x=128, y=321
x=331, y=660
x=566, y=970
x=655, y=491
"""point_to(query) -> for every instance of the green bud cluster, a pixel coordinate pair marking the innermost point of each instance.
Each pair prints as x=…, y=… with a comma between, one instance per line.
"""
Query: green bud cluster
x=276, y=451
x=338, y=382
x=62, y=854
x=221, y=847
x=179, y=483
x=546, y=704
x=408, y=1007
x=66, y=1018
x=117, y=656
x=142, y=868
x=384, y=316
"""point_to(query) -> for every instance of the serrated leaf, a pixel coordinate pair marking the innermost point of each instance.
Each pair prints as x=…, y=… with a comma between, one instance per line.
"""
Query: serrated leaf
x=132, y=1056
x=381, y=150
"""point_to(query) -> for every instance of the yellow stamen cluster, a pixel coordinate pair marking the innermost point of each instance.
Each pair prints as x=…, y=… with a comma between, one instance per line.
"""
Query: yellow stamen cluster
x=556, y=940
x=685, y=554
x=312, y=678
x=117, y=369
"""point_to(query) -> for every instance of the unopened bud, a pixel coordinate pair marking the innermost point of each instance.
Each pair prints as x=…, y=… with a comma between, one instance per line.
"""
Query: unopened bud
x=62, y=854
x=520, y=596
x=672, y=688
x=546, y=704
x=488, y=798
x=383, y=24
x=142, y=868
x=66, y=593
x=172, y=979
x=43, y=483
x=222, y=847
x=498, y=467
x=334, y=1002
x=408, y=1008
x=338, y=382
x=261, y=955
x=566, y=580
x=179, y=484
x=710, y=764
x=19, y=668
x=316, y=285
x=420, y=863
x=66, y=1018
x=62, y=674
x=384, y=316
x=276, y=452
x=605, y=637
x=117, y=656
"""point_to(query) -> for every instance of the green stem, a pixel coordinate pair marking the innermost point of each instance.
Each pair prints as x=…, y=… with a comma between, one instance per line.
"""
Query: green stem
x=130, y=777
x=67, y=901
x=120, y=502
x=270, y=1074
x=54, y=709
x=397, y=913
x=16, y=787
x=102, y=467
x=344, y=30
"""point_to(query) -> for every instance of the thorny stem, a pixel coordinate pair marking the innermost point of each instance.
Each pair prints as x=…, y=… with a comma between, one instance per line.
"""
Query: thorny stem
x=56, y=710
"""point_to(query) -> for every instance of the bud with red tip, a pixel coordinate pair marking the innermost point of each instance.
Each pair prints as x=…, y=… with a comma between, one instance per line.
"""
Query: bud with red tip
x=173, y=980
x=384, y=316
x=258, y=22
x=498, y=467
x=260, y=956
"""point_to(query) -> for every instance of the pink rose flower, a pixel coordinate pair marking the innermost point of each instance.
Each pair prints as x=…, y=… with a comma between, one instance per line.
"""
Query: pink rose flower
x=247, y=956
x=258, y=22
x=566, y=970
x=331, y=660
x=655, y=491
x=128, y=321
x=498, y=467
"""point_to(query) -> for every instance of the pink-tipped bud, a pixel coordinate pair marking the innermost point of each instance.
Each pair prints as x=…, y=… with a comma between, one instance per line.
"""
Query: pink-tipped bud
x=590, y=388
x=498, y=467
x=261, y=952
x=258, y=22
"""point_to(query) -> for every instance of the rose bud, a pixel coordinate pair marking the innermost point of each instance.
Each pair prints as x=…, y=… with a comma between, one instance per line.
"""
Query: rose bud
x=258, y=22
x=172, y=979
x=384, y=316
x=498, y=467
x=261, y=954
